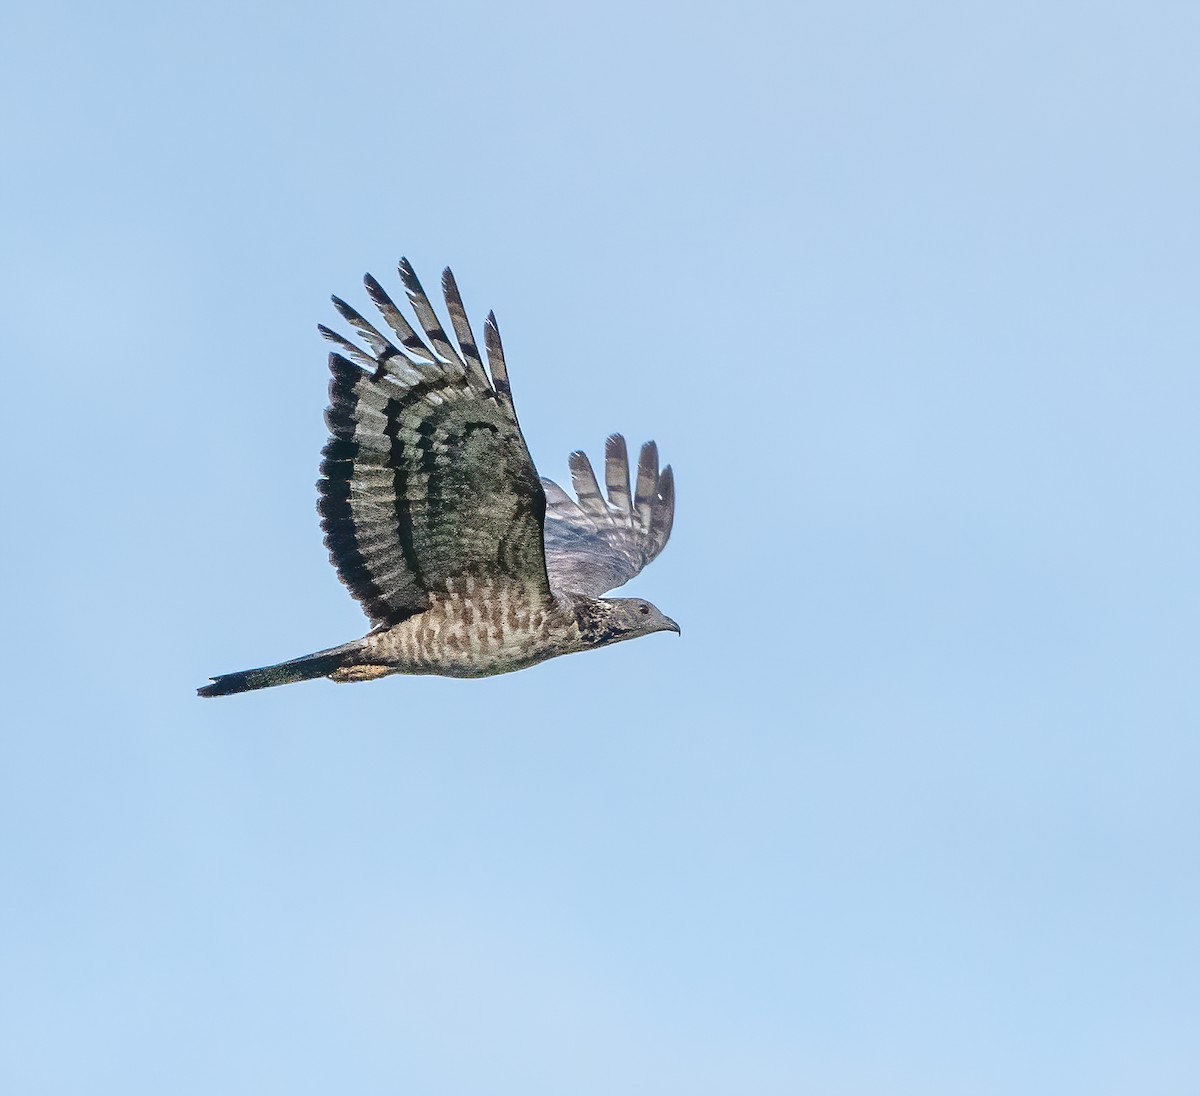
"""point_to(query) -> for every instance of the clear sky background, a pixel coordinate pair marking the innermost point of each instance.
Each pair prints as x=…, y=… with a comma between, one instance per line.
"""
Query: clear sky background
x=907, y=294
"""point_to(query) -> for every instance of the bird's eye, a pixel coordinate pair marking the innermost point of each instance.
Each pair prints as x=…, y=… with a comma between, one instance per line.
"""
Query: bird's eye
x=643, y=609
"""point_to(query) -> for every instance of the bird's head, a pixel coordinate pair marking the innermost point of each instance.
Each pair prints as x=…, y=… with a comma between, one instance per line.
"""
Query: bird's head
x=612, y=619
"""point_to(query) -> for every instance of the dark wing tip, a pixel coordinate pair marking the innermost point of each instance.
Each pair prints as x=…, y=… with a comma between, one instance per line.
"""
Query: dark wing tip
x=646, y=483
x=379, y=295
x=666, y=485
x=343, y=369
x=583, y=479
x=349, y=313
x=616, y=472
x=663, y=509
x=409, y=277
x=450, y=290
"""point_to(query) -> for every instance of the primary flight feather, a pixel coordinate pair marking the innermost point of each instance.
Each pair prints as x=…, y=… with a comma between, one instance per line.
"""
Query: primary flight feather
x=466, y=562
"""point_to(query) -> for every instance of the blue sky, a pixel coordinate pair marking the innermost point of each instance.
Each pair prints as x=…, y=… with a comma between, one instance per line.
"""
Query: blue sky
x=907, y=296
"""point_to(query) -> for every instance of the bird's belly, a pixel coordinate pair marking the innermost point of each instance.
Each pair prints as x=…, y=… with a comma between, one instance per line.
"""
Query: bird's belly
x=476, y=630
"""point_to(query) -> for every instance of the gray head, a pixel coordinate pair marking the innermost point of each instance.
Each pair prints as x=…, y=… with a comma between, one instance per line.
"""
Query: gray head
x=612, y=619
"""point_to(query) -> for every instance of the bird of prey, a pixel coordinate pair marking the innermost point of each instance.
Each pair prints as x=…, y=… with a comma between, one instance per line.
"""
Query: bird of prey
x=466, y=562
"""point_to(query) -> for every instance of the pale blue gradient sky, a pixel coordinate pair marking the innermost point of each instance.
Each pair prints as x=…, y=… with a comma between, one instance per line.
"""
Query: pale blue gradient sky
x=907, y=293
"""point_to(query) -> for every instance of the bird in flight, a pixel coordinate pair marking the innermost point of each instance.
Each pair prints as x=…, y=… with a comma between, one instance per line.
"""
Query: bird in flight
x=466, y=562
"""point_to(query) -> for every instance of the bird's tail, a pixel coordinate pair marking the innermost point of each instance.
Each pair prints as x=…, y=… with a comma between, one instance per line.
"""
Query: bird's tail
x=320, y=664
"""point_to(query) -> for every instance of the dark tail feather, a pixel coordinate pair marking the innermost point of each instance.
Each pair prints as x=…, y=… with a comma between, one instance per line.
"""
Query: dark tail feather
x=311, y=666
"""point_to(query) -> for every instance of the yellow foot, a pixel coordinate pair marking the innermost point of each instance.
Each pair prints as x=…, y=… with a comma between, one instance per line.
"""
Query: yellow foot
x=359, y=673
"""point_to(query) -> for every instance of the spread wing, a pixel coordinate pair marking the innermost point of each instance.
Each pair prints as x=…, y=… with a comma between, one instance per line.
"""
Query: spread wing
x=426, y=476
x=593, y=546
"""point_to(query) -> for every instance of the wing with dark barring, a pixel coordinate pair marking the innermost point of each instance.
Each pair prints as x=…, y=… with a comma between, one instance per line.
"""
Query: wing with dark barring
x=593, y=545
x=426, y=476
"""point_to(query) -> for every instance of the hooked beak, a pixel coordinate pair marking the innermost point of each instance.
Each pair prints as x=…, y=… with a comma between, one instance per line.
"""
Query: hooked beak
x=672, y=626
